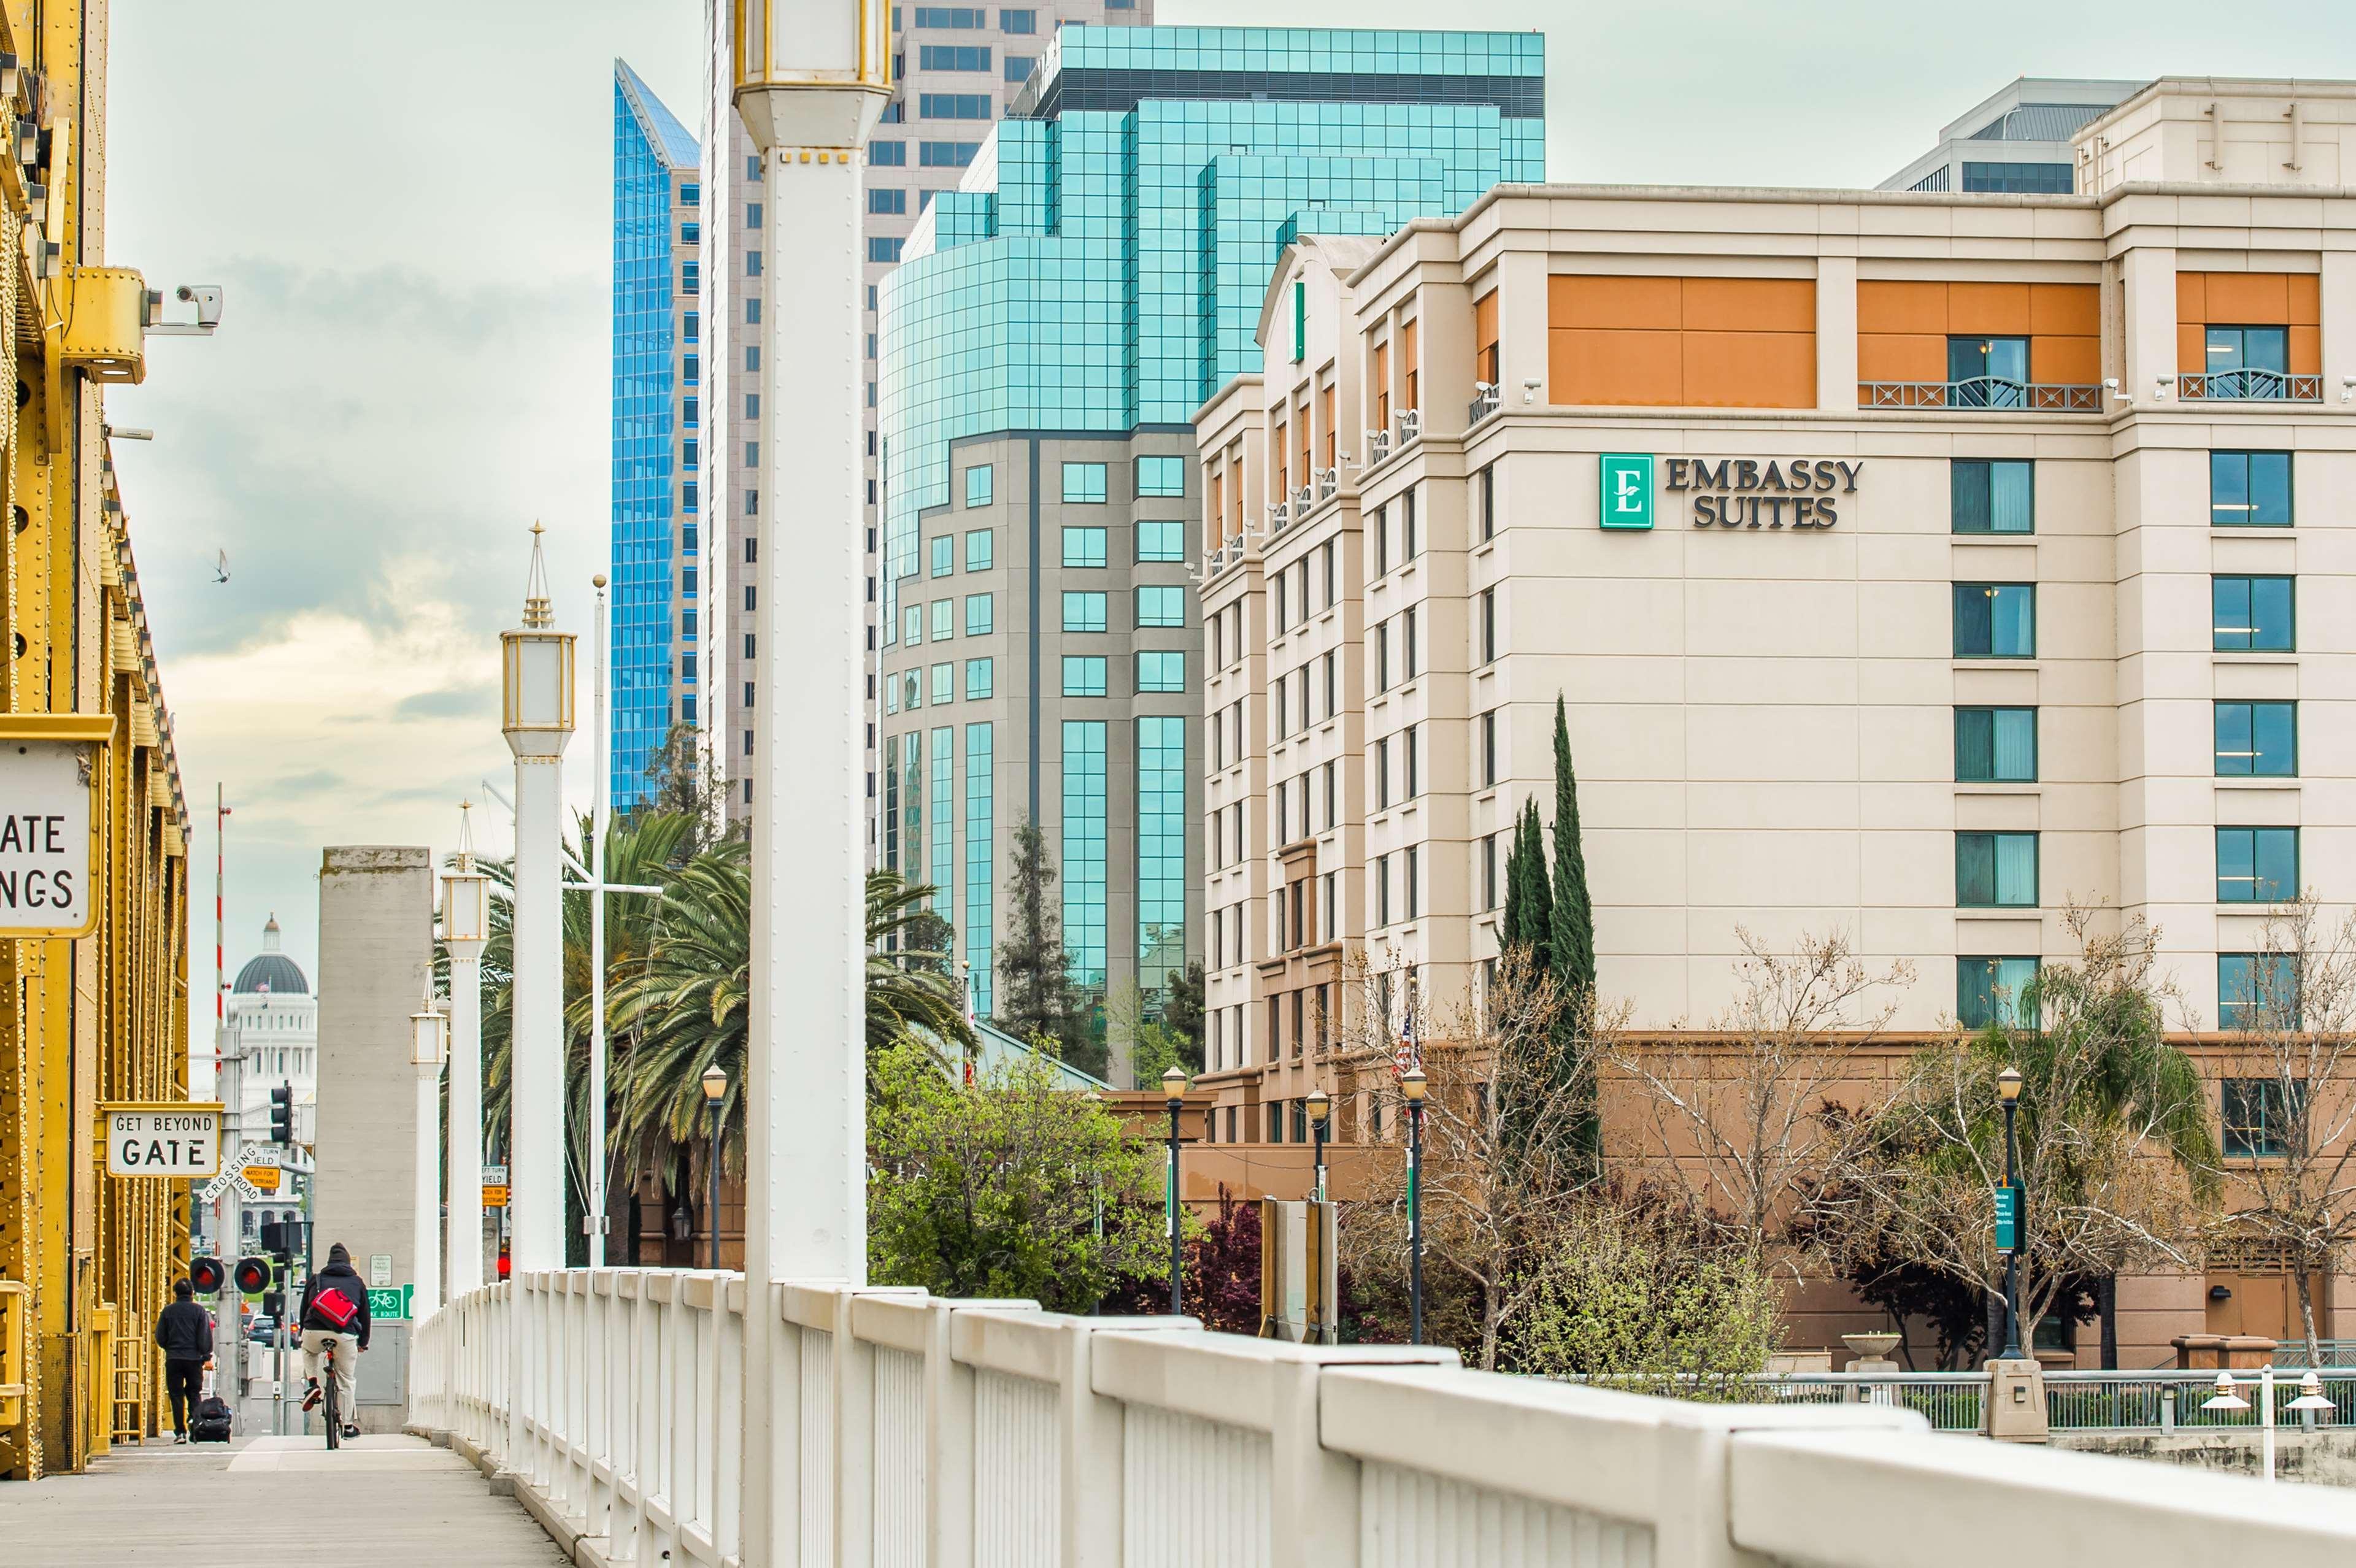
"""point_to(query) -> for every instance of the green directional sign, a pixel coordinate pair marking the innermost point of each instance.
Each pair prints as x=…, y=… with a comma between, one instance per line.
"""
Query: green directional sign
x=1627, y=492
x=2008, y=1218
x=389, y=1303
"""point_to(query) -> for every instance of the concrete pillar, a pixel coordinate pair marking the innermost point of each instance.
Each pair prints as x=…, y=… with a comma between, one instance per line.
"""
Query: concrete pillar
x=2150, y=309
x=1836, y=333
x=466, y=1179
x=2338, y=292
x=376, y=951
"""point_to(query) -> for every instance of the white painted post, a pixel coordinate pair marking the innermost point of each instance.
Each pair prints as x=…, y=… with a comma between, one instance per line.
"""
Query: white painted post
x=464, y=916
x=2266, y=1416
x=427, y=1296
x=811, y=78
x=593, y=1222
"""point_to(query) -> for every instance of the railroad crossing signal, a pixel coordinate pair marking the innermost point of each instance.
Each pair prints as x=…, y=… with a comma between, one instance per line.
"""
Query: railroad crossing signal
x=206, y=1277
x=253, y=1275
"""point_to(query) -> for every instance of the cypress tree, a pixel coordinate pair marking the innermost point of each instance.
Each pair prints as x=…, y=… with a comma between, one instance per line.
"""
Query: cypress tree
x=1535, y=928
x=1032, y=972
x=1572, y=918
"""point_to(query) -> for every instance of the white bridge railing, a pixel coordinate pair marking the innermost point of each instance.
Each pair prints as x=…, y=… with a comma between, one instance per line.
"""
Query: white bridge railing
x=911, y=1432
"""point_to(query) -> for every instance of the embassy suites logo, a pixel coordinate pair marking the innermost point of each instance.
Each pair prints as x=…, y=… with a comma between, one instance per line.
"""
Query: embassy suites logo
x=1729, y=492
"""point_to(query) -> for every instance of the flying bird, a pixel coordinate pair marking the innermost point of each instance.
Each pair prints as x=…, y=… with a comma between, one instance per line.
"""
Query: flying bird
x=220, y=569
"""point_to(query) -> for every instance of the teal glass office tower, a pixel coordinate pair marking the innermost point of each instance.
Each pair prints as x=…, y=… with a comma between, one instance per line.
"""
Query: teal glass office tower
x=656, y=371
x=1055, y=320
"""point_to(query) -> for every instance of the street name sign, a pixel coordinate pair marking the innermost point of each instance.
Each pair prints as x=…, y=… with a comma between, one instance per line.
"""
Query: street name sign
x=2007, y=1219
x=50, y=783
x=159, y=1139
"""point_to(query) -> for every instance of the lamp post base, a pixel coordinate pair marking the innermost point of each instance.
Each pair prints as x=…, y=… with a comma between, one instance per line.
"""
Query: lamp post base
x=2014, y=1409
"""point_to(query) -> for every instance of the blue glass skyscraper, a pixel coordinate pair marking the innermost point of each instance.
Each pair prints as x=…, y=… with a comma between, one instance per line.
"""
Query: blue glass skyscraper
x=1057, y=319
x=657, y=372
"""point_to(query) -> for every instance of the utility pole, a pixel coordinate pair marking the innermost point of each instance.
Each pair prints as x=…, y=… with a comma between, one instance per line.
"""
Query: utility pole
x=810, y=79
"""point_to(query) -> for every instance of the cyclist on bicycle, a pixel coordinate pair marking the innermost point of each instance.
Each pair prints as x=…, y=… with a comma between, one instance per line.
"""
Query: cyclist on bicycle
x=335, y=1313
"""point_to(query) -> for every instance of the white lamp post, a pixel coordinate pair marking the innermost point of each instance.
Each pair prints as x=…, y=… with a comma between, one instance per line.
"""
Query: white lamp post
x=810, y=80
x=536, y=712
x=427, y=1029
x=466, y=927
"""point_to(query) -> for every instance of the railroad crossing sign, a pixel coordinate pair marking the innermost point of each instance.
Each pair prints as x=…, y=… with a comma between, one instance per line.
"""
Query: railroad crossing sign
x=160, y=1138
x=230, y=1181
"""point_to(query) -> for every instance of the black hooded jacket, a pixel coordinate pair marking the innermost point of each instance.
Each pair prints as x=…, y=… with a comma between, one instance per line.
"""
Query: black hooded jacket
x=184, y=1332
x=340, y=1275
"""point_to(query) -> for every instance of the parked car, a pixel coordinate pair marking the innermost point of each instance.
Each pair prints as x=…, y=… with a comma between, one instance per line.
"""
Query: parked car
x=261, y=1329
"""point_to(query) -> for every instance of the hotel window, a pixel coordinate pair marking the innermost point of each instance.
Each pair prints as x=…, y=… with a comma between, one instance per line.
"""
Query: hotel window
x=1165, y=606
x=1332, y=684
x=1995, y=621
x=1161, y=477
x=1410, y=364
x=1382, y=541
x=1988, y=372
x=1084, y=674
x=1991, y=990
x=2251, y=361
x=887, y=200
x=2259, y=1116
x=1084, y=483
x=979, y=614
x=946, y=154
x=1010, y=21
x=1161, y=541
x=2256, y=990
x=953, y=57
x=1996, y=745
x=1084, y=547
x=1333, y=816
x=2253, y=614
x=894, y=154
x=978, y=679
x=944, y=552
x=1488, y=625
x=1277, y=586
x=753, y=217
x=1412, y=752
x=1489, y=873
x=2257, y=865
x=2249, y=489
x=944, y=683
x=879, y=249
x=2034, y=179
x=1018, y=68
x=1382, y=890
x=953, y=105
x=2257, y=739
x=1412, y=542
x=1993, y=497
x=1329, y=916
x=1162, y=672
x=1488, y=503
x=1995, y=871
x=1383, y=657
x=1414, y=880
x=1382, y=773
x=1489, y=750
x=1327, y=561
x=944, y=620
x=1084, y=612
x=978, y=485
x=689, y=277
x=1406, y=647
x=978, y=550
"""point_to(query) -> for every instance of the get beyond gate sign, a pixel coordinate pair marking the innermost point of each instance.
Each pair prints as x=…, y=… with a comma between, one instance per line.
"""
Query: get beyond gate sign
x=145, y=1139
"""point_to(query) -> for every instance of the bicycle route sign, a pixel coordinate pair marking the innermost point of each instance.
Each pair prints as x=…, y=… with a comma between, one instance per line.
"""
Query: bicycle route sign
x=389, y=1303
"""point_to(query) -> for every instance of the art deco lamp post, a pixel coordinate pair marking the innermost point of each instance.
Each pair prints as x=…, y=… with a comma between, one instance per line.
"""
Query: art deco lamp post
x=1321, y=1106
x=428, y=1034
x=536, y=712
x=2008, y=1088
x=466, y=927
x=715, y=1091
x=1173, y=1090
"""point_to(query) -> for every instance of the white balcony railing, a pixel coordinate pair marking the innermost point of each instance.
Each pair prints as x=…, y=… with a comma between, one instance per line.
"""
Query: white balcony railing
x=1484, y=403
x=912, y=1430
x=1328, y=481
x=1410, y=425
x=1378, y=446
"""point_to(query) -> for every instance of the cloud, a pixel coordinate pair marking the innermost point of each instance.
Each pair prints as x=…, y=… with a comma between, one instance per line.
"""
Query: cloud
x=452, y=702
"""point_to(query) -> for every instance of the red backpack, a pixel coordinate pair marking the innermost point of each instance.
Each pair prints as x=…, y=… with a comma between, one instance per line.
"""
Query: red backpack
x=335, y=1307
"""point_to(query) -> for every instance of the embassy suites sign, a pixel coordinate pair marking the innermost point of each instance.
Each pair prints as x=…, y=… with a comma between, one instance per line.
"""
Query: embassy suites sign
x=1728, y=492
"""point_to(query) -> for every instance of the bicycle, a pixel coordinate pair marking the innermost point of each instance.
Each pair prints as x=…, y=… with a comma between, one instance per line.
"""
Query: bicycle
x=327, y=1391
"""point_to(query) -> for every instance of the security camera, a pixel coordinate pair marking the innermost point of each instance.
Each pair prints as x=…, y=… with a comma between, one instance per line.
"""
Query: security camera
x=207, y=298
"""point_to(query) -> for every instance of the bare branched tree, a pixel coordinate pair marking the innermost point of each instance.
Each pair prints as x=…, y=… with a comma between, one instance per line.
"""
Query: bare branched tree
x=1506, y=1151
x=1737, y=1108
x=2288, y=1161
x=2112, y=1137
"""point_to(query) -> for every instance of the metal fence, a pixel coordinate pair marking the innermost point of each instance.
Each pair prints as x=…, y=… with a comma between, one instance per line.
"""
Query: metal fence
x=2074, y=1400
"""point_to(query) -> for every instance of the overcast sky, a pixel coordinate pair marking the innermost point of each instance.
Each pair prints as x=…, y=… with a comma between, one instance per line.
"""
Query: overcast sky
x=409, y=208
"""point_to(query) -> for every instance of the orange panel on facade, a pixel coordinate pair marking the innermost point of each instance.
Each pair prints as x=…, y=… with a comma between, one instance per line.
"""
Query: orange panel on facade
x=1901, y=357
x=1592, y=365
x=2192, y=296
x=1621, y=303
x=2058, y=361
x=2191, y=349
x=1987, y=310
x=2304, y=292
x=2073, y=310
x=1884, y=306
x=2251, y=299
x=1751, y=370
x=1750, y=304
x=2305, y=351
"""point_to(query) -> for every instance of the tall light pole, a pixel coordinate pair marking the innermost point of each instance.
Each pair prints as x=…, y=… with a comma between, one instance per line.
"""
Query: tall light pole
x=715, y=1094
x=466, y=927
x=537, y=672
x=1411, y=1084
x=593, y=1221
x=1173, y=1090
x=2008, y=1088
x=428, y=1032
x=1321, y=1106
x=810, y=78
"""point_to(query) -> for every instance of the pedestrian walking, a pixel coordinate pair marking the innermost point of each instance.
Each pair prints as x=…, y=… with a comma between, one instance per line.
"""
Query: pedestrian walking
x=184, y=1332
x=335, y=1312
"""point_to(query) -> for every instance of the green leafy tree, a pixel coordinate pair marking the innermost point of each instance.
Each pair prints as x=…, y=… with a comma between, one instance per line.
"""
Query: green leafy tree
x=683, y=780
x=1181, y=1009
x=1033, y=973
x=1010, y=1187
x=1571, y=928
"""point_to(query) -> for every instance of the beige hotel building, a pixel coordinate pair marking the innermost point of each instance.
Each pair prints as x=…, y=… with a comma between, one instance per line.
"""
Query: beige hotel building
x=1912, y=565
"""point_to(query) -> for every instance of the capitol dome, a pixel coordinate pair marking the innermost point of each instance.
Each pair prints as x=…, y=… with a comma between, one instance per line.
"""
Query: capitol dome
x=271, y=970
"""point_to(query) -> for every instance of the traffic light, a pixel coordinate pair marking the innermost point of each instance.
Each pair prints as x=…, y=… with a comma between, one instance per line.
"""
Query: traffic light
x=252, y=1275
x=505, y=1267
x=286, y=1238
x=282, y=1113
x=206, y=1277
x=273, y=1303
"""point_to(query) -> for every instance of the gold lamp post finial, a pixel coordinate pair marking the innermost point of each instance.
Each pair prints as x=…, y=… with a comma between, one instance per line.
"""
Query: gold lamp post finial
x=538, y=614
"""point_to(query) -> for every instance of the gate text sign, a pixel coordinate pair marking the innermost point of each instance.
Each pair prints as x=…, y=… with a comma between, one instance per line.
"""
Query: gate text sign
x=1773, y=493
x=48, y=853
x=162, y=1140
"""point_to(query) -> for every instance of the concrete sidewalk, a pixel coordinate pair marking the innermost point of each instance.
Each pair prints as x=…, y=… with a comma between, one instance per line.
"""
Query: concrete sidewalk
x=390, y=1500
